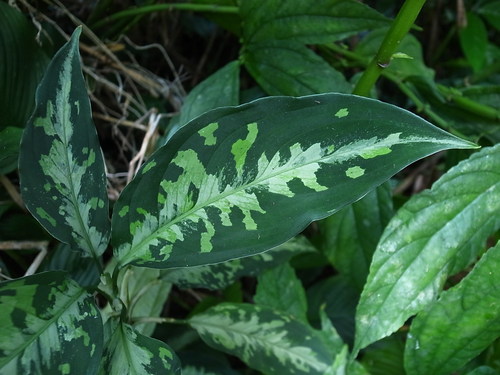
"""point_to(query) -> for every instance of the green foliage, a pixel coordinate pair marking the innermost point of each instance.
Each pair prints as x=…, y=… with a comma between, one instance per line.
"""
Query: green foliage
x=262, y=236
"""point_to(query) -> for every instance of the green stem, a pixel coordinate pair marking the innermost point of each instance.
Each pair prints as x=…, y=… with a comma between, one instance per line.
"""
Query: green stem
x=212, y=8
x=469, y=105
x=399, y=28
x=158, y=320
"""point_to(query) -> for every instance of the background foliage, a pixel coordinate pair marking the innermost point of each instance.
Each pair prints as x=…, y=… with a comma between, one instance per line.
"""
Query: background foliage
x=404, y=280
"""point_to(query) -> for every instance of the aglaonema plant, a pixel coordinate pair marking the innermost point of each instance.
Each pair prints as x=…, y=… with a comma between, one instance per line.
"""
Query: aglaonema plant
x=228, y=186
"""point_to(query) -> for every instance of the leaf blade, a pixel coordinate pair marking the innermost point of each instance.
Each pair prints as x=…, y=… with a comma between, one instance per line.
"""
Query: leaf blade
x=264, y=339
x=61, y=167
x=48, y=324
x=193, y=204
x=468, y=314
x=435, y=234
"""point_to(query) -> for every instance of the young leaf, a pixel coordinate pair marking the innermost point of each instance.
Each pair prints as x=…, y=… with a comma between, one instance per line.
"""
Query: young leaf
x=221, y=275
x=466, y=318
x=349, y=237
x=264, y=339
x=436, y=233
x=272, y=167
x=61, y=166
x=129, y=352
x=290, y=68
x=48, y=325
x=280, y=289
x=308, y=22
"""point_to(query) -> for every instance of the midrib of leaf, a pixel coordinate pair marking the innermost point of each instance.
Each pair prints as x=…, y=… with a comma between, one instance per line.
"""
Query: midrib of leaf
x=65, y=76
x=428, y=238
x=269, y=344
x=45, y=326
x=126, y=345
x=342, y=156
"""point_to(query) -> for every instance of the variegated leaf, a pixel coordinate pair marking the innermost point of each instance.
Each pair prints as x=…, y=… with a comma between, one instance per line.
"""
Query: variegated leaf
x=62, y=171
x=264, y=339
x=221, y=275
x=240, y=180
x=129, y=352
x=48, y=325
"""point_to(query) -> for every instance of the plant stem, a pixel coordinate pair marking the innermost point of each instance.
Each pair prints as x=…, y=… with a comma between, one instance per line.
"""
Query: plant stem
x=399, y=28
x=469, y=105
x=212, y=8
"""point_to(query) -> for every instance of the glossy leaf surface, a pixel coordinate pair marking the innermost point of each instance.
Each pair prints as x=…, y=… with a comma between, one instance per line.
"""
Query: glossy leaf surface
x=264, y=339
x=48, y=325
x=290, y=68
x=320, y=21
x=62, y=171
x=240, y=180
x=466, y=318
x=435, y=234
x=129, y=352
x=221, y=275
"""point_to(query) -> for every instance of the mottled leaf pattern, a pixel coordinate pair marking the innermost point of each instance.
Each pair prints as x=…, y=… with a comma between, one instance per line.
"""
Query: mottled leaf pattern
x=264, y=339
x=466, y=319
x=48, y=325
x=129, y=352
x=435, y=234
x=61, y=166
x=221, y=275
x=275, y=165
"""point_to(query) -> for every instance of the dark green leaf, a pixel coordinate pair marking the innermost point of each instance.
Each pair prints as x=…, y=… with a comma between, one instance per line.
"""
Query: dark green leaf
x=466, y=318
x=385, y=357
x=308, y=22
x=264, y=339
x=349, y=237
x=280, y=289
x=10, y=138
x=83, y=270
x=221, y=275
x=483, y=370
x=61, y=166
x=491, y=11
x=289, y=68
x=221, y=89
x=338, y=298
x=129, y=352
x=48, y=325
x=435, y=234
x=276, y=165
x=22, y=65
x=474, y=39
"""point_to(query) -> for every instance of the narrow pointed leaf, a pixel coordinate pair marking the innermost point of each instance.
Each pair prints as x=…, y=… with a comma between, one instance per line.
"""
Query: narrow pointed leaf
x=290, y=68
x=48, y=325
x=466, y=318
x=129, y=352
x=272, y=166
x=264, y=339
x=435, y=234
x=309, y=22
x=221, y=275
x=61, y=166
x=280, y=289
